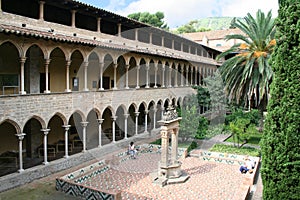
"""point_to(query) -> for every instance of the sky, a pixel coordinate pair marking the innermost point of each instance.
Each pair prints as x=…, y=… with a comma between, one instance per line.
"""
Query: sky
x=180, y=12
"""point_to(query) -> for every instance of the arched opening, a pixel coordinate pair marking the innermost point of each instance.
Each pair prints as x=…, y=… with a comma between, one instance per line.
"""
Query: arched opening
x=76, y=71
x=92, y=131
x=142, y=73
x=9, y=149
x=107, y=126
x=131, y=121
x=150, y=118
x=93, y=72
x=121, y=73
x=108, y=72
x=159, y=112
x=141, y=118
x=120, y=123
x=57, y=71
x=76, y=133
x=151, y=74
x=56, y=137
x=132, y=73
x=9, y=69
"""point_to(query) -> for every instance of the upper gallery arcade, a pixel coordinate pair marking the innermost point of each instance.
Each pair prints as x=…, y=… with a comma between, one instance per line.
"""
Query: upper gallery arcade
x=54, y=53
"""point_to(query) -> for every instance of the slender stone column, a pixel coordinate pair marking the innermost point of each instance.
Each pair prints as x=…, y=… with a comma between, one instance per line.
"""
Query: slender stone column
x=150, y=38
x=163, y=75
x=0, y=6
x=46, y=131
x=137, y=76
x=136, y=34
x=119, y=30
x=125, y=126
x=162, y=41
x=20, y=137
x=174, y=153
x=187, y=76
x=67, y=127
x=196, y=50
x=73, y=18
x=162, y=109
x=181, y=47
x=146, y=121
x=68, y=63
x=47, y=62
x=176, y=75
x=99, y=24
x=170, y=76
x=195, y=76
x=126, y=76
x=22, y=61
x=147, y=75
x=182, y=76
x=192, y=76
x=164, y=146
x=85, y=65
x=101, y=65
x=100, y=121
x=154, y=118
x=41, y=16
x=173, y=44
x=136, y=122
x=115, y=77
x=155, y=74
x=84, y=125
x=114, y=128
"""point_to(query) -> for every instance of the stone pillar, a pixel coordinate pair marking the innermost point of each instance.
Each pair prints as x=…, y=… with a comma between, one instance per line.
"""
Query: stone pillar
x=136, y=34
x=47, y=62
x=146, y=121
x=147, y=75
x=170, y=76
x=41, y=16
x=173, y=44
x=176, y=75
x=137, y=76
x=101, y=65
x=162, y=109
x=68, y=63
x=162, y=41
x=196, y=50
x=114, y=128
x=191, y=77
x=181, y=47
x=195, y=76
x=0, y=6
x=119, y=30
x=163, y=75
x=126, y=76
x=164, y=146
x=100, y=121
x=67, y=127
x=154, y=118
x=115, y=77
x=189, y=48
x=155, y=74
x=187, y=76
x=174, y=145
x=20, y=137
x=85, y=65
x=46, y=131
x=73, y=18
x=136, y=122
x=150, y=38
x=125, y=126
x=22, y=61
x=182, y=76
x=99, y=24
x=84, y=125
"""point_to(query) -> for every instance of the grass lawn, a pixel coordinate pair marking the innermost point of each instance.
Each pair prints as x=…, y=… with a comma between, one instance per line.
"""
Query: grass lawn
x=234, y=150
x=254, y=139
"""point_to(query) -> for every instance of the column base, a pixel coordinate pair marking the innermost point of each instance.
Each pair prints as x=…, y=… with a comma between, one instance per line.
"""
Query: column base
x=83, y=151
x=68, y=90
x=22, y=92
x=101, y=89
x=45, y=163
x=126, y=88
x=85, y=89
x=47, y=91
x=21, y=170
x=99, y=146
x=155, y=86
x=66, y=156
x=115, y=88
x=147, y=86
x=137, y=87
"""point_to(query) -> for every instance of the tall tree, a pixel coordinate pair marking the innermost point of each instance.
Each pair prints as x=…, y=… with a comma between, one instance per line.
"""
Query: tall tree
x=248, y=71
x=280, y=143
x=156, y=19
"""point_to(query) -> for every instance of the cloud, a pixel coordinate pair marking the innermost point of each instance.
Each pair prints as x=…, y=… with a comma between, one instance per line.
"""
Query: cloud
x=179, y=12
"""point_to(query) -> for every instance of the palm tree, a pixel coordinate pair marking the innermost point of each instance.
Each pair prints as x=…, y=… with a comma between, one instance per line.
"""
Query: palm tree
x=248, y=71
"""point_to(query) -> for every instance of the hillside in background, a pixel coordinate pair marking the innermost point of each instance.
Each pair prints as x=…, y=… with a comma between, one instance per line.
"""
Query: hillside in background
x=199, y=25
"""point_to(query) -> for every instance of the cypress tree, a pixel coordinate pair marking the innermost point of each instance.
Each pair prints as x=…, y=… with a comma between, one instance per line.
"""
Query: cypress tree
x=281, y=141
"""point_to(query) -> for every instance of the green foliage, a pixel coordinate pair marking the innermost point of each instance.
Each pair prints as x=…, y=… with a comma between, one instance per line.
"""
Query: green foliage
x=280, y=143
x=253, y=116
x=202, y=128
x=233, y=150
x=192, y=146
x=156, y=19
x=253, y=136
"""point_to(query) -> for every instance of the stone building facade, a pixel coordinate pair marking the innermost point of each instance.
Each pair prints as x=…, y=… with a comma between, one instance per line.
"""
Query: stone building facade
x=74, y=77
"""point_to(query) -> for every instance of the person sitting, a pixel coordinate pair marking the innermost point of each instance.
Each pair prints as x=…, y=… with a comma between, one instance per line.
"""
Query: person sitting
x=131, y=150
x=247, y=166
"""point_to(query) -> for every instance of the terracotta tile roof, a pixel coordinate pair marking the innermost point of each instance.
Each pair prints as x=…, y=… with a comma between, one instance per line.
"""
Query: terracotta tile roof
x=211, y=35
